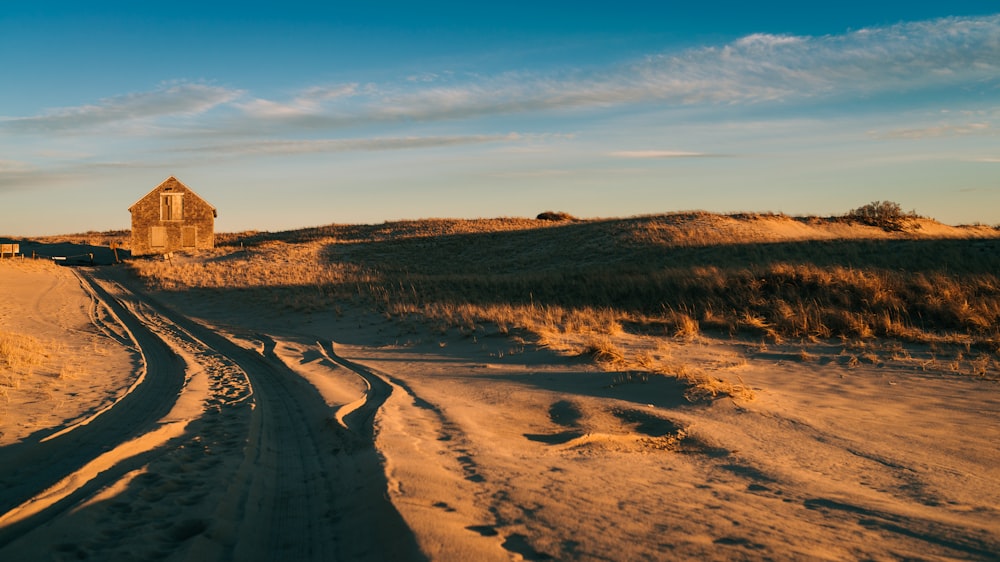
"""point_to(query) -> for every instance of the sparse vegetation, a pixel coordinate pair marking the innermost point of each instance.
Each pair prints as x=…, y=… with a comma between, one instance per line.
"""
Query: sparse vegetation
x=19, y=355
x=709, y=388
x=676, y=276
x=555, y=216
x=603, y=350
x=109, y=238
x=886, y=215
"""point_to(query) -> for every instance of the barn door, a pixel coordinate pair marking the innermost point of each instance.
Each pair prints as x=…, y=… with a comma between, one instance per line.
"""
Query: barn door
x=189, y=236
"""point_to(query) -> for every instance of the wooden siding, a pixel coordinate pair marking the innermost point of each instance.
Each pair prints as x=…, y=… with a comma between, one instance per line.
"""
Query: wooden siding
x=171, y=217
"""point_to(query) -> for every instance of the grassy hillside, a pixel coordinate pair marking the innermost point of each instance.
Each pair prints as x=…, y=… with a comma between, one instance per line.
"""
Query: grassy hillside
x=756, y=276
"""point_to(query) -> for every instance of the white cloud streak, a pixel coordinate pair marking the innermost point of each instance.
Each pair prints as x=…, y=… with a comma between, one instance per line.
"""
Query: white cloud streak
x=656, y=154
x=755, y=69
x=309, y=102
x=286, y=147
x=173, y=100
x=936, y=131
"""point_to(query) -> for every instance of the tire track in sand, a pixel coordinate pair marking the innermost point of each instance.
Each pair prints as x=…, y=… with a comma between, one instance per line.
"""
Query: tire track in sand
x=119, y=480
x=261, y=477
x=34, y=464
x=305, y=488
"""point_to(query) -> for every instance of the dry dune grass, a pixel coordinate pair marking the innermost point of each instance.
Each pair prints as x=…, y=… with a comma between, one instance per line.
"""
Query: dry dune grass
x=20, y=354
x=399, y=230
x=109, y=238
x=580, y=286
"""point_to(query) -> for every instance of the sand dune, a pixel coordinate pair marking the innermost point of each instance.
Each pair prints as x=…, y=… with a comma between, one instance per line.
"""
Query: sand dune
x=196, y=427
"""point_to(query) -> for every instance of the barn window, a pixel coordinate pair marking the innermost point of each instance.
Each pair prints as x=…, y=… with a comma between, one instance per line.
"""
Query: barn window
x=158, y=236
x=171, y=206
x=189, y=236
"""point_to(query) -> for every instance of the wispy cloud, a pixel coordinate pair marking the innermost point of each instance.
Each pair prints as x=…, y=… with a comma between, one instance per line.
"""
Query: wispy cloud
x=20, y=176
x=276, y=147
x=935, y=131
x=767, y=41
x=529, y=174
x=756, y=69
x=310, y=101
x=14, y=166
x=179, y=100
x=656, y=154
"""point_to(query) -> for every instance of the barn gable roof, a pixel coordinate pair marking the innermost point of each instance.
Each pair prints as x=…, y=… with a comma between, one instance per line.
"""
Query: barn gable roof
x=172, y=179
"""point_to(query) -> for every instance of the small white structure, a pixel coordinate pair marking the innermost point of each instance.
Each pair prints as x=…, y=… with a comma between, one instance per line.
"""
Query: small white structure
x=12, y=250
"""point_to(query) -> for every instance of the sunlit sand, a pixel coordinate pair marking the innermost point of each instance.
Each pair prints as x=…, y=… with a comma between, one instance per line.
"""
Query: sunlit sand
x=287, y=395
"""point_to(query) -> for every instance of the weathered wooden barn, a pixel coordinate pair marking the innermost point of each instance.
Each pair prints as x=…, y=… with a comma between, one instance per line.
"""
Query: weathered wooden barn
x=171, y=218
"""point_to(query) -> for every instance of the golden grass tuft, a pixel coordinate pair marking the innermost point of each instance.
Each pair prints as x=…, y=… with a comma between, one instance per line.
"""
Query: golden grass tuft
x=20, y=354
x=603, y=350
x=708, y=388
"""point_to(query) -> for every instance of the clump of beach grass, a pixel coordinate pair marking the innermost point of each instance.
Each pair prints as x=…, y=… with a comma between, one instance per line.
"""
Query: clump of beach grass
x=20, y=354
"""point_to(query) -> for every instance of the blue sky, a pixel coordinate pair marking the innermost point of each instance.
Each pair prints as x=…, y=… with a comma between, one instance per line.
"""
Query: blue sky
x=293, y=114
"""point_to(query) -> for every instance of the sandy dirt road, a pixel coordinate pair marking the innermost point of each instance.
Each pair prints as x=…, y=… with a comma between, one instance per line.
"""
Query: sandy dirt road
x=249, y=432
x=217, y=452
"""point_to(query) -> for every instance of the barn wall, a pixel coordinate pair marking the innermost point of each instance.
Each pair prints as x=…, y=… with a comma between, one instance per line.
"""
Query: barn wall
x=197, y=214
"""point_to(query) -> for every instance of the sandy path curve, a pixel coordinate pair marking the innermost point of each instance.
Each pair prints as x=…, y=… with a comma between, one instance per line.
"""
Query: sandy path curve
x=306, y=489
x=34, y=464
x=221, y=453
